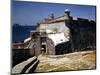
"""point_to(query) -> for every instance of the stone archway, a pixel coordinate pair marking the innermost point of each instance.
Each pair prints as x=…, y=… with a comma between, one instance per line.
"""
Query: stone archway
x=43, y=48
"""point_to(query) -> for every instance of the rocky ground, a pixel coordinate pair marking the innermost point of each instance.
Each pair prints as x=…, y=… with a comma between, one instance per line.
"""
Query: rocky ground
x=73, y=61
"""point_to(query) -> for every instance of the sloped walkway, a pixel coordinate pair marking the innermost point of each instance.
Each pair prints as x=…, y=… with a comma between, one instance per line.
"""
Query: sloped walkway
x=73, y=61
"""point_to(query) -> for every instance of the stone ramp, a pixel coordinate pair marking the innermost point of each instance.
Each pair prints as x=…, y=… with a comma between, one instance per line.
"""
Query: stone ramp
x=84, y=60
x=27, y=66
x=32, y=67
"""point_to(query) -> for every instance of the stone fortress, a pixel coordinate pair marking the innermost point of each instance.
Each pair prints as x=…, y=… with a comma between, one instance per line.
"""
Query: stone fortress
x=47, y=48
x=61, y=35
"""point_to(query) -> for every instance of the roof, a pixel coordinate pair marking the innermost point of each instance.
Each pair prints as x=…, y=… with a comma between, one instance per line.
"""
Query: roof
x=58, y=19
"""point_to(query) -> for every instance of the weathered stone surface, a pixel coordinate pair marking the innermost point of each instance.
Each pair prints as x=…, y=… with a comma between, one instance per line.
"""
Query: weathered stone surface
x=73, y=61
x=19, y=68
x=32, y=67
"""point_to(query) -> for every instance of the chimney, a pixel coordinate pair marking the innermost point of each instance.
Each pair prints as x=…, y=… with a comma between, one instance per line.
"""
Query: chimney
x=67, y=12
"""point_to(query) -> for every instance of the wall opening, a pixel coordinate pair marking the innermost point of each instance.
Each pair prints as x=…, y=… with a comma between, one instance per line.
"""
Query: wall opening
x=43, y=49
x=43, y=45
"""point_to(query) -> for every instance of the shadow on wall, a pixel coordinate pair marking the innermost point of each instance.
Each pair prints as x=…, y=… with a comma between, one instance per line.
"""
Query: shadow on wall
x=63, y=48
x=19, y=55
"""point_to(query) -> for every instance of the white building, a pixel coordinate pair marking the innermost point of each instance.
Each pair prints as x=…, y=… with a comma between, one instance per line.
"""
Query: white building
x=52, y=33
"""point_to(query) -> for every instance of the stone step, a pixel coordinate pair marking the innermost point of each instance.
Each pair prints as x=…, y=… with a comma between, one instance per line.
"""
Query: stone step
x=32, y=67
x=21, y=67
x=28, y=65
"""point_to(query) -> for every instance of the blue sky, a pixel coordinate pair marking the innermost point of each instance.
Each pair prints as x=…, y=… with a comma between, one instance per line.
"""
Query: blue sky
x=30, y=13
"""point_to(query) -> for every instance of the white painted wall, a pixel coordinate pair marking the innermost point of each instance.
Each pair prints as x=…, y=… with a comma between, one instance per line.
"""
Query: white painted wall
x=59, y=26
x=62, y=33
x=58, y=38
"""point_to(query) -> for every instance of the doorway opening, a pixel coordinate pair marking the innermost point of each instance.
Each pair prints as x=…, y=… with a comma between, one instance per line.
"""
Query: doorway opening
x=43, y=48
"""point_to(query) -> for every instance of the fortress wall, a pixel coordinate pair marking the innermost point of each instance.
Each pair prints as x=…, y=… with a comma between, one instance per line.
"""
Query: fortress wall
x=83, y=34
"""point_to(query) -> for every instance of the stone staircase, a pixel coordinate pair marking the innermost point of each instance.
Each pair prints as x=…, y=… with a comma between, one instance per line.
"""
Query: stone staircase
x=27, y=66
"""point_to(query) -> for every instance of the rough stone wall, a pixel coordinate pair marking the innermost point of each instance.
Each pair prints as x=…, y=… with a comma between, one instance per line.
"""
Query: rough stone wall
x=50, y=47
x=83, y=34
x=63, y=48
x=35, y=47
x=19, y=55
